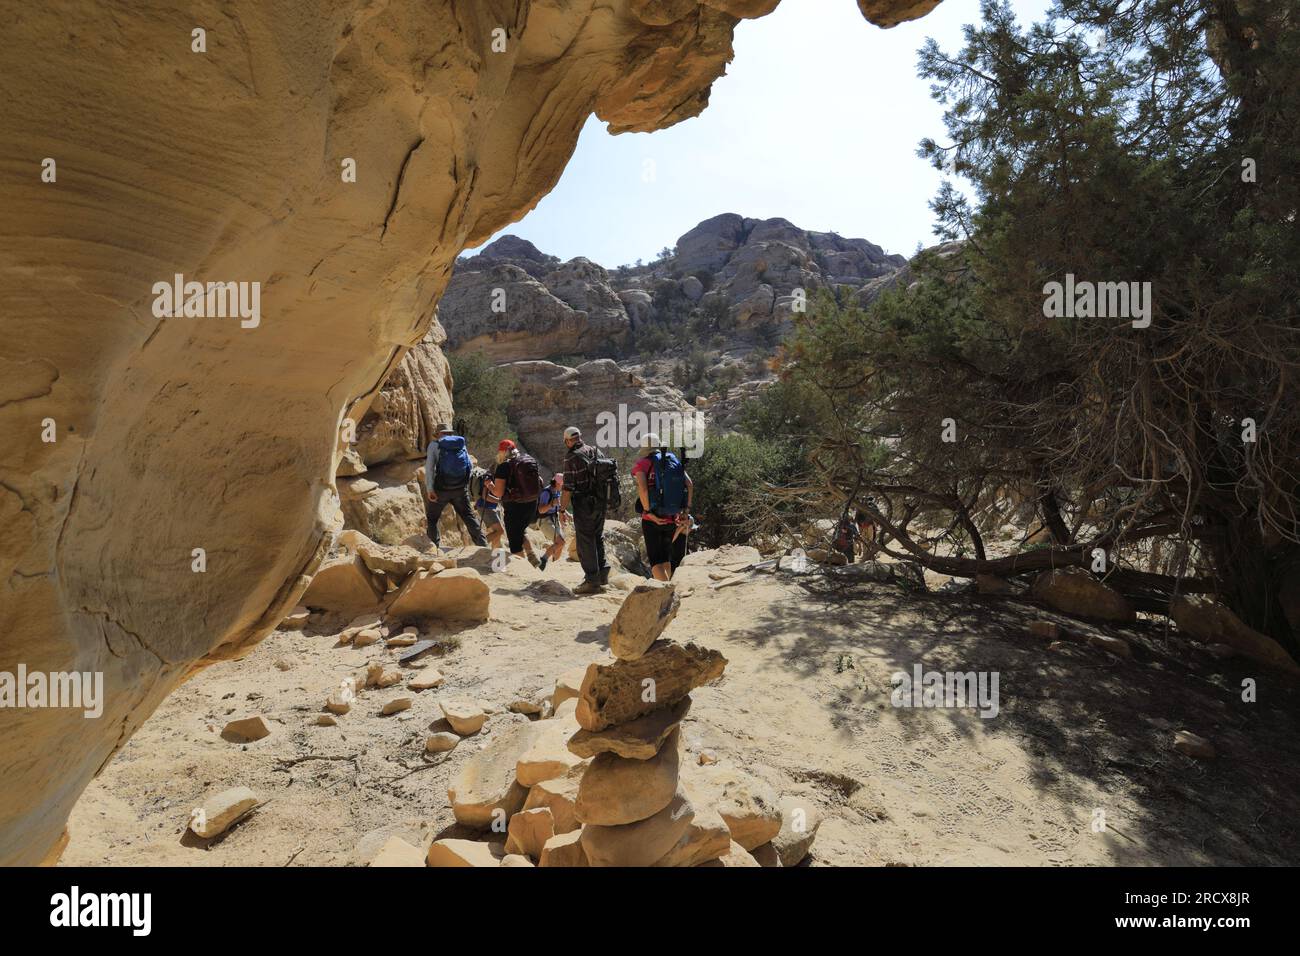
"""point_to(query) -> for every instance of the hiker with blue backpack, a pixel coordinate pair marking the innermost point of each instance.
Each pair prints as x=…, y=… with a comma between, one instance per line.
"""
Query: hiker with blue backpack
x=447, y=471
x=664, y=493
x=551, y=519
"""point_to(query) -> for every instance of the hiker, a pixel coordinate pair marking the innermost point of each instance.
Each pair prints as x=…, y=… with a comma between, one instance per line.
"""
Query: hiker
x=867, y=530
x=846, y=536
x=517, y=484
x=447, y=472
x=487, y=507
x=664, y=493
x=584, y=493
x=552, y=519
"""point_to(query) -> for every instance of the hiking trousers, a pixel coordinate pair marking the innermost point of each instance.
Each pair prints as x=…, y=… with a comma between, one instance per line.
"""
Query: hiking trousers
x=589, y=533
x=518, y=516
x=458, y=498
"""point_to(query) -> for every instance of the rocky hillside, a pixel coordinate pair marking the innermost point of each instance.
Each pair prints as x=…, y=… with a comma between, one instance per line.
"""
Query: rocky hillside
x=735, y=277
x=694, y=329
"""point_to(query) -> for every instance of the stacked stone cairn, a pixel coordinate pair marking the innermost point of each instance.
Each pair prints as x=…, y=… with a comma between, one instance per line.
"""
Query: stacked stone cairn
x=605, y=779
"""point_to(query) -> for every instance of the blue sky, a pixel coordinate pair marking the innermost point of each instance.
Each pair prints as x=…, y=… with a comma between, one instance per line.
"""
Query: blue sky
x=816, y=121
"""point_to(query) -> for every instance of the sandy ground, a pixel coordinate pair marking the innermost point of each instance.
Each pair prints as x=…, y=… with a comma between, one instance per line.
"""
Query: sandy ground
x=805, y=703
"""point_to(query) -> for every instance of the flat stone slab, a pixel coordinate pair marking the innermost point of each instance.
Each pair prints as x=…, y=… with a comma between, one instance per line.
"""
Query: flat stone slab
x=638, y=739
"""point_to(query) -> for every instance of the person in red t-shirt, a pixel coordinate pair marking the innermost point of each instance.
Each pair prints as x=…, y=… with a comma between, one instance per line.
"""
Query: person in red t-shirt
x=658, y=530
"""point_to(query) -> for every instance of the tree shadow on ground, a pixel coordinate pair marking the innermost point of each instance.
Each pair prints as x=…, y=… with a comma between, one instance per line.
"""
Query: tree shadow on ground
x=1075, y=712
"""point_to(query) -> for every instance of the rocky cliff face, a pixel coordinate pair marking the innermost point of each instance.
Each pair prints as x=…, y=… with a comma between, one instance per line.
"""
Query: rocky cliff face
x=507, y=313
x=168, y=484
x=549, y=397
x=512, y=302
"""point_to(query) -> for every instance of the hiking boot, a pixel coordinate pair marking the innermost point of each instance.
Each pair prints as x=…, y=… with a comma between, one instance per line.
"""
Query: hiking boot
x=604, y=576
x=588, y=587
x=542, y=564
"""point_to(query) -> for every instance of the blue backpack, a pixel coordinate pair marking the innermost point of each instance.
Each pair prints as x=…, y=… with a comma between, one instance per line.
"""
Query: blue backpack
x=453, y=467
x=668, y=497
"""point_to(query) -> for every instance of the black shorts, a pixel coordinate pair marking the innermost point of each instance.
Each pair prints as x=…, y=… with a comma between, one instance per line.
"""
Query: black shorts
x=658, y=541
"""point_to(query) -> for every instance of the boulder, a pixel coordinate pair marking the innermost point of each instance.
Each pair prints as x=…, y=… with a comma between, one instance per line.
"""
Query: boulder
x=516, y=859
x=707, y=838
x=343, y=584
x=339, y=702
x=569, y=685
x=549, y=756
x=1076, y=592
x=644, y=614
x=749, y=806
x=638, y=739
x=559, y=796
x=465, y=853
x=246, y=729
x=425, y=681
x=736, y=855
x=528, y=832
x=297, y=619
x=387, y=505
x=221, y=811
x=371, y=619
x=564, y=849
x=380, y=676
x=616, y=791
x=457, y=594
x=466, y=716
x=485, y=790
x=396, y=560
x=397, y=852
x=395, y=706
x=641, y=843
x=615, y=693
x=800, y=819
x=1207, y=620
x=441, y=742
x=766, y=855
x=1186, y=742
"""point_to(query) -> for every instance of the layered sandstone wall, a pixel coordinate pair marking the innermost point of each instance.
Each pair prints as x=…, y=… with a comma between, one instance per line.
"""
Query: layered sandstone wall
x=177, y=434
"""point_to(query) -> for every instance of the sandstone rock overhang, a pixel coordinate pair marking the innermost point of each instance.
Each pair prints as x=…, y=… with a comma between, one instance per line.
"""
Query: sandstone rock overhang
x=167, y=488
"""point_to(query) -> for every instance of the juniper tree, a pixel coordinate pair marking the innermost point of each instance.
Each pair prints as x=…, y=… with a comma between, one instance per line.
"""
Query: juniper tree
x=1143, y=141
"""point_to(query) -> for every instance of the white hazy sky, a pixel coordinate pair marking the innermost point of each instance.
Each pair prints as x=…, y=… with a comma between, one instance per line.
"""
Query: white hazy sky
x=816, y=121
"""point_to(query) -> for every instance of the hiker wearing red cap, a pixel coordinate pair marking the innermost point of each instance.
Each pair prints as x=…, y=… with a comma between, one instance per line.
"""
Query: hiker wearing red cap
x=517, y=485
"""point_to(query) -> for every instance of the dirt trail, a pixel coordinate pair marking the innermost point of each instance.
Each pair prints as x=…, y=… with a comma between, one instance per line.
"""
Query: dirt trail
x=805, y=703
